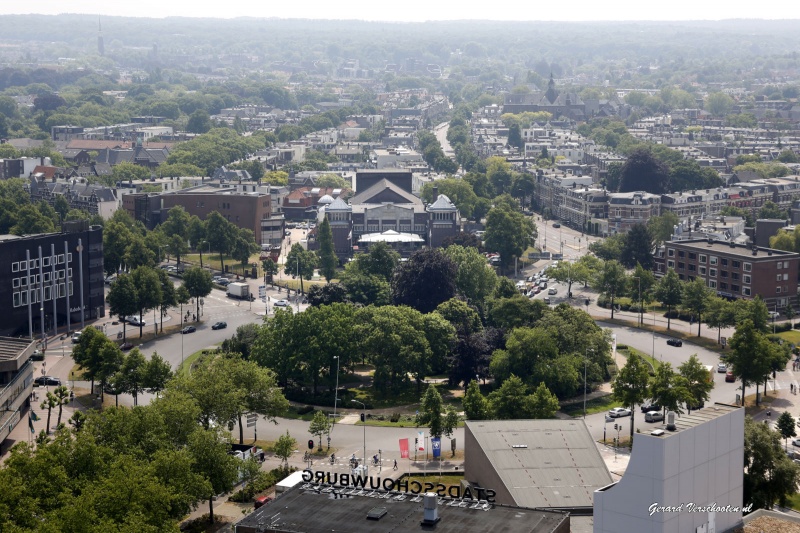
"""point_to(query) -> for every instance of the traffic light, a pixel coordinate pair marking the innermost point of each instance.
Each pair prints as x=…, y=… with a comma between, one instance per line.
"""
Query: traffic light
x=416, y=441
x=362, y=417
x=587, y=302
x=616, y=427
x=310, y=444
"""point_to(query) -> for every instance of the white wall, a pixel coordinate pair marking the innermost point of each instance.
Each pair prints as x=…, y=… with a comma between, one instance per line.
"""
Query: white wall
x=701, y=465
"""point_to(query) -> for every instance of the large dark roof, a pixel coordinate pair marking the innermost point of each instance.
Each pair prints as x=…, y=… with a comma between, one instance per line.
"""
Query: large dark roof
x=309, y=511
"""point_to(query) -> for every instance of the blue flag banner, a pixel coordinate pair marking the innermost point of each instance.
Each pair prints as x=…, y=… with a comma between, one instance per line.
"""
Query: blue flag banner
x=436, y=445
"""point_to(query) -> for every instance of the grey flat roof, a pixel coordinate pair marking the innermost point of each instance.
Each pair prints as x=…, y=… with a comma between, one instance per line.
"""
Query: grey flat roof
x=559, y=465
x=12, y=347
x=725, y=247
x=695, y=418
x=309, y=511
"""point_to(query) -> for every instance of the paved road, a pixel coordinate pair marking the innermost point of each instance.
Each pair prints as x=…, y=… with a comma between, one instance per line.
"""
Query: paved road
x=440, y=131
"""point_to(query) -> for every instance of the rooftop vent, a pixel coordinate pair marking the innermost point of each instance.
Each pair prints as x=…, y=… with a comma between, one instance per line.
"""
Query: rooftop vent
x=671, y=421
x=657, y=432
x=376, y=513
x=431, y=512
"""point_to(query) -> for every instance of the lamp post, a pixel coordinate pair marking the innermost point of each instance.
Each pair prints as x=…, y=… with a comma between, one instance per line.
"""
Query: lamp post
x=585, y=363
x=364, y=410
x=297, y=293
x=336, y=392
x=638, y=318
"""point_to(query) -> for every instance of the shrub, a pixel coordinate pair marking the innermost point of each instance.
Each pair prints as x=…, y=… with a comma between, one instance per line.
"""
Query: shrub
x=262, y=482
x=625, y=307
x=395, y=417
x=622, y=346
x=305, y=410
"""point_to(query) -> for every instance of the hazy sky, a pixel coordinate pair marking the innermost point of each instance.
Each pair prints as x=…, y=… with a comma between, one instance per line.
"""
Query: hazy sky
x=411, y=10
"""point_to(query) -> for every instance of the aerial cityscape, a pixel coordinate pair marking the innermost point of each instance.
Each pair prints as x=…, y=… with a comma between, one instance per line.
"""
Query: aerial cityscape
x=543, y=272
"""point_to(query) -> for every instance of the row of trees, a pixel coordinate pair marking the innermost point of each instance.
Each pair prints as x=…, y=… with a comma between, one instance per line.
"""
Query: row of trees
x=166, y=456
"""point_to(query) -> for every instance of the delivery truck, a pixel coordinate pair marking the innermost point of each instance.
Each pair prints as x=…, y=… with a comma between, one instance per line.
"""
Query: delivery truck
x=239, y=290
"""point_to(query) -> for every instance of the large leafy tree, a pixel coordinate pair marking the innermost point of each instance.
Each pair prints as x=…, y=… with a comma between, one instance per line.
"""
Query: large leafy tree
x=198, y=284
x=475, y=279
x=319, y=426
x=327, y=255
x=426, y=280
x=122, y=300
x=720, y=313
x=669, y=390
x=770, y=476
x=638, y=248
x=669, y=292
x=511, y=400
x=148, y=291
x=695, y=298
x=698, y=382
x=300, y=262
x=749, y=359
x=509, y=233
x=662, y=227
x=220, y=234
x=644, y=171
x=476, y=406
x=611, y=281
x=434, y=415
x=630, y=386
x=176, y=227
x=211, y=460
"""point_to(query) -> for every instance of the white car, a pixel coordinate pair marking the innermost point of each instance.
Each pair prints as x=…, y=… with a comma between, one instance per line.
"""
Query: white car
x=134, y=321
x=795, y=442
x=654, y=416
x=722, y=368
x=619, y=412
x=282, y=303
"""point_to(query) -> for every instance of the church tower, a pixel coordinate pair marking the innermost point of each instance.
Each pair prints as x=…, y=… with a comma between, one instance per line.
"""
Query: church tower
x=101, y=49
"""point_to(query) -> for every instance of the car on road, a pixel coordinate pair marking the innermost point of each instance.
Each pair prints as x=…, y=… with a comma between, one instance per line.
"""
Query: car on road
x=134, y=321
x=654, y=416
x=556, y=225
x=76, y=337
x=646, y=408
x=547, y=300
x=282, y=303
x=553, y=291
x=220, y=325
x=795, y=442
x=43, y=381
x=729, y=377
x=125, y=346
x=773, y=315
x=722, y=368
x=188, y=329
x=675, y=342
x=619, y=412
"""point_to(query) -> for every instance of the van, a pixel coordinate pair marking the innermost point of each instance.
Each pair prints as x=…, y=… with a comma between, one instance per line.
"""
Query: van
x=76, y=337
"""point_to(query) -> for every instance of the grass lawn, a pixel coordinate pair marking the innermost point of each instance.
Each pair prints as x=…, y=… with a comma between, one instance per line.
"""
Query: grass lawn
x=447, y=480
x=407, y=397
x=625, y=352
x=190, y=362
x=597, y=405
x=793, y=501
x=791, y=336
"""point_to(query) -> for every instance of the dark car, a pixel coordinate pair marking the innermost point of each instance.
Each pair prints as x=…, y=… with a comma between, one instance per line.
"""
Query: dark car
x=556, y=225
x=47, y=381
x=729, y=377
x=125, y=346
x=675, y=342
x=188, y=329
x=646, y=408
x=220, y=325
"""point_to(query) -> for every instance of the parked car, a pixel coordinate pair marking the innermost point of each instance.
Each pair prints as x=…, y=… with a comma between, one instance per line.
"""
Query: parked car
x=722, y=368
x=547, y=300
x=773, y=315
x=134, y=321
x=188, y=329
x=654, y=416
x=556, y=225
x=796, y=442
x=282, y=303
x=76, y=337
x=220, y=325
x=619, y=412
x=552, y=291
x=729, y=377
x=43, y=381
x=646, y=408
x=675, y=342
x=125, y=346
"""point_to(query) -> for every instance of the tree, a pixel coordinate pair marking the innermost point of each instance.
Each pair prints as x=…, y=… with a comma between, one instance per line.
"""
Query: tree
x=300, y=262
x=259, y=391
x=199, y=122
x=695, y=298
x=168, y=295
x=669, y=292
x=284, y=447
x=220, y=234
x=643, y=171
x=720, y=313
x=157, y=374
x=197, y=235
x=327, y=255
x=638, y=248
x=122, y=299
x=50, y=402
x=61, y=394
x=509, y=233
x=511, y=400
x=211, y=460
x=630, y=386
x=426, y=280
x=669, y=390
x=719, y=104
x=148, y=291
x=748, y=360
x=698, y=381
x=787, y=427
x=319, y=426
x=544, y=403
x=198, y=284
x=129, y=172
x=569, y=273
x=772, y=210
x=610, y=247
x=769, y=473
x=430, y=414
x=611, y=281
x=476, y=407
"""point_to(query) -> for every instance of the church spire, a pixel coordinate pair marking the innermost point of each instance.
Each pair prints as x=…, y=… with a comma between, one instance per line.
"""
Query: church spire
x=551, y=93
x=101, y=49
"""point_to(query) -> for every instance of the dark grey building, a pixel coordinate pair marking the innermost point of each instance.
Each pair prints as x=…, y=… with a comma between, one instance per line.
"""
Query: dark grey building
x=42, y=276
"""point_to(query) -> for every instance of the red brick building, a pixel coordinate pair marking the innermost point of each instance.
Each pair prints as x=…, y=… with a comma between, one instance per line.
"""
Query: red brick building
x=734, y=270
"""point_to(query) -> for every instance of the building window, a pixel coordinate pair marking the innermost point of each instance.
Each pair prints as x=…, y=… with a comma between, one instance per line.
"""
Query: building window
x=681, y=253
x=702, y=258
x=17, y=299
x=702, y=271
x=746, y=278
x=778, y=290
x=712, y=260
x=681, y=277
x=671, y=252
x=14, y=267
x=680, y=266
x=15, y=283
x=712, y=284
x=723, y=273
x=671, y=264
x=786, y=277
x=692, y=267
x=736, y=264
x=745, y=291
x=61, y=259
x=712, y=272
x=734, y=275
x=778, y=277
x=748, y=267
x=780, y=265
x=46, y=262
x=724, y=262
x=723, y=286
x=692, y=255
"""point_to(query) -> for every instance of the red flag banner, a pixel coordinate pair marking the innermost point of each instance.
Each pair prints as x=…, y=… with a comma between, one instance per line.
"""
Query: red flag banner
x=404, y=448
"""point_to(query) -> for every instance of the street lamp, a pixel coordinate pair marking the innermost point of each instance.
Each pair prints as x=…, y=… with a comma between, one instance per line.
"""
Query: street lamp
x=585, y=363
x=364, y=410
x=297, y=293
x=639, y=318
x=336, y=393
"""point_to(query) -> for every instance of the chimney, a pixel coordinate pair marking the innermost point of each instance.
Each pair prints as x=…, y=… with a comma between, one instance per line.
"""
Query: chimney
x=435, y=193
x=431, y=516
x=671, y=421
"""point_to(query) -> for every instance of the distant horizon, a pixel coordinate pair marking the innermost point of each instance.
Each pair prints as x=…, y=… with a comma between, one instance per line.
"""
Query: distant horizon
x=413, y=11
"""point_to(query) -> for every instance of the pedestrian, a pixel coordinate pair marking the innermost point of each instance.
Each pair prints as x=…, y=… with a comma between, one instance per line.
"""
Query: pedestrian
x=395, y=464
